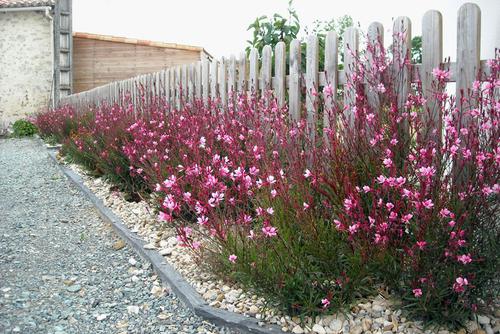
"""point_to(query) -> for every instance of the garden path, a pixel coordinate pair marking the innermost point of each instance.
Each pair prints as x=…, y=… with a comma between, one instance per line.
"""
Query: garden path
x=62, y=269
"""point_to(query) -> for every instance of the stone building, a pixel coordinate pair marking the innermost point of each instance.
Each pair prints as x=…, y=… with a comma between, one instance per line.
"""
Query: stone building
x=35, y=55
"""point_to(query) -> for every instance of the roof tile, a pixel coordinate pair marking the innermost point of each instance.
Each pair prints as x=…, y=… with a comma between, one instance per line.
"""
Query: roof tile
x=25, y=3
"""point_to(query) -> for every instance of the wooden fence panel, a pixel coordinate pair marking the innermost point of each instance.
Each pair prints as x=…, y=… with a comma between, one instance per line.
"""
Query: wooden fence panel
x=254, y=71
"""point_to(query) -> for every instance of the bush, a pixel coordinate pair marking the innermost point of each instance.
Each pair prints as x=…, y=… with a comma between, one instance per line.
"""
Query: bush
x=24, y=128
x=390, y=198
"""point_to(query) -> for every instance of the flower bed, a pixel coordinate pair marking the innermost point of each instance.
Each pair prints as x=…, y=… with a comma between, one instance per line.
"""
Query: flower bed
x=384, y=199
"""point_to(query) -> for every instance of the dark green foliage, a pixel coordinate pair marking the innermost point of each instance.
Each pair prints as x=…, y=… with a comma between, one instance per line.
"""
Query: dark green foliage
x=24, y=128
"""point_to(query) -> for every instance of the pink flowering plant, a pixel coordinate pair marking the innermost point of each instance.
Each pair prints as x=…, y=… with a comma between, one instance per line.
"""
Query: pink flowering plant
x=396, y=191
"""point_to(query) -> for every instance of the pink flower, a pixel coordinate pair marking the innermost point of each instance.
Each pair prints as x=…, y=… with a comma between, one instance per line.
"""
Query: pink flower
x=274, y=193
x=460, y=284
x=428, y=204
x=307, y=173
x=366, y=189
x=427, y=171
x=417, y=293
x=387, y=162
x=381, y=88
x=328, y=90
x=233, y=258
x=270, y=211
x=305, y=206
x=389, y=206
x=325, y=302
x=270, y=231
x=421, y=244
x=271, y=180
x=465, y=258
x=165, y=217
x=441, y=75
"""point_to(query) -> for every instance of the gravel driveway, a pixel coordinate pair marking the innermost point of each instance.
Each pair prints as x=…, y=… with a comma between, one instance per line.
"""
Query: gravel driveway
x=62, y=269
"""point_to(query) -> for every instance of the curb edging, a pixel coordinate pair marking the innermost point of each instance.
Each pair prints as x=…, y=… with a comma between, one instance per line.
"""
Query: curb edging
x=183, y=290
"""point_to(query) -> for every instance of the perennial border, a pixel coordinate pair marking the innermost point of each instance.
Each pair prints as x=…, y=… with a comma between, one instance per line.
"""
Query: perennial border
x=184, y=291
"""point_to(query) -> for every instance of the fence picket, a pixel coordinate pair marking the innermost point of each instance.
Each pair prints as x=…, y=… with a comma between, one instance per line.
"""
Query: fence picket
x=280, y=72
x=468, y=52
x=223, y=81
x=197, y=80
x=266, y=69
x=294, y=81
x=213, y=79
x=351, y=45
x=205, y=78
x=231, y=77
x=242, y=73
x=254, y=70
x=432, y=55
x=312, y=64
x=375, y=40
x=331, y=76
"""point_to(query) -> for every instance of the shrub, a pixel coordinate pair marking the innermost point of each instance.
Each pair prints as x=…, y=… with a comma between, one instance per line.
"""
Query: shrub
x=390, y=197
x=24, y=128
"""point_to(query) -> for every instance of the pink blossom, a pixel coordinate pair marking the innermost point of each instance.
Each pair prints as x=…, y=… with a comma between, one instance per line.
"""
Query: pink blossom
x=270, y=211
x=163, y=216
x=270, y=231
x=273, y=193
x=421, y=244
x=427, y=171
x=325, y=302
x=465, y=258
x=428, y=204
x=233, y=258
x=366, y=189
x=441, y=75
x=305, y=206
x=417, y=293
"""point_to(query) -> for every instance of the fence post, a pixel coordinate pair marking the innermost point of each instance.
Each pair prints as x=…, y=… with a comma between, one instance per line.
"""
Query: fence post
x=294, y=81
x=197, y=81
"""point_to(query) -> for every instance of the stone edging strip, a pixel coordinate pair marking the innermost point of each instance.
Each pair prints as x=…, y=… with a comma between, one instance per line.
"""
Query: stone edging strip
x=167, y=273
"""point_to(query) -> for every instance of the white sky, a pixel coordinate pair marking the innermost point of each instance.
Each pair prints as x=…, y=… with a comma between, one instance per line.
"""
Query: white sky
x=220, y=25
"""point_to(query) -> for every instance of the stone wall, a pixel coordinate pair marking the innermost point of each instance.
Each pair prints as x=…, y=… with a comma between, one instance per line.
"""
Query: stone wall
x=26, y=64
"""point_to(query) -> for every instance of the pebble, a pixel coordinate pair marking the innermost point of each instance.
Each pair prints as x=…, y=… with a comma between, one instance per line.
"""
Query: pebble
x=318, y=329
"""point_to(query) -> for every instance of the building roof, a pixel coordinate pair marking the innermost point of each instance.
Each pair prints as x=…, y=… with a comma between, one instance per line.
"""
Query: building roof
x=139, y=42
x=25, y=3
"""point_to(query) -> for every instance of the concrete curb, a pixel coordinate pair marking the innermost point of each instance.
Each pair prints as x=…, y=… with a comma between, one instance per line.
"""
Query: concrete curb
x=167, y=273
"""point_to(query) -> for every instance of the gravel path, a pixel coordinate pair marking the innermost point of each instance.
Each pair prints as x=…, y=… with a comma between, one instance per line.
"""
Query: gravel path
x=60, y=271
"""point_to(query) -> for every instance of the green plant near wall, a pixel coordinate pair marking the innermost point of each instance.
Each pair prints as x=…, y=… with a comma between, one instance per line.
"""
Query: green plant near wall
x=24, y=128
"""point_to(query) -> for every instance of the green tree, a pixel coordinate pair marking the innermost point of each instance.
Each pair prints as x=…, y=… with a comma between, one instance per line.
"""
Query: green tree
x=416, y=50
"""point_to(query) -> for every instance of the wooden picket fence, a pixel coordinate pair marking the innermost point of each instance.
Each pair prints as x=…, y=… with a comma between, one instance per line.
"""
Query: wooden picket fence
x=221, y=79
